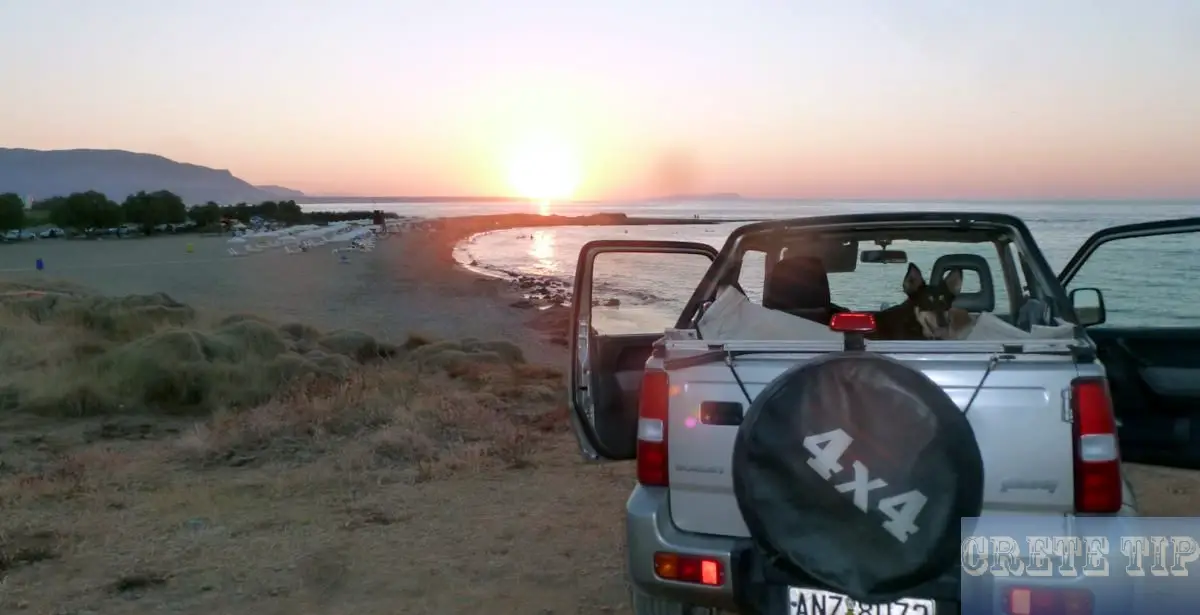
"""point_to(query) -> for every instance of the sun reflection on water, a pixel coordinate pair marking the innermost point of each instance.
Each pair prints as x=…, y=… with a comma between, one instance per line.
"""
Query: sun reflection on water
x=541, y=248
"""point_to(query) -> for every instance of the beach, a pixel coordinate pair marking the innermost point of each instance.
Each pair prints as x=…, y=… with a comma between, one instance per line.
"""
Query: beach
x=410, y=283
x=458, y=488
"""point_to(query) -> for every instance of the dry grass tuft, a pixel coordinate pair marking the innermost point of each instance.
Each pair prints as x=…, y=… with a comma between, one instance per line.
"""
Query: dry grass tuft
x=82, y=355
x=388, y=416
x=27, y=548
x=271, y=393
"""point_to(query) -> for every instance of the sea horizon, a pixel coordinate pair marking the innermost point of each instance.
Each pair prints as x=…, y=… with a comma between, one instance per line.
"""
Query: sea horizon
x=434, y=200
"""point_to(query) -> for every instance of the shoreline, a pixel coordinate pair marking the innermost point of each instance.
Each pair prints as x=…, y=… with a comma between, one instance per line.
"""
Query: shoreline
x=544, y=300
x=462, y=229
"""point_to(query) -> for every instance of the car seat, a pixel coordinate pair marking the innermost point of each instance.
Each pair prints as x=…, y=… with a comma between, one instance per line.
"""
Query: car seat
x=983, y=300
x=800, y=286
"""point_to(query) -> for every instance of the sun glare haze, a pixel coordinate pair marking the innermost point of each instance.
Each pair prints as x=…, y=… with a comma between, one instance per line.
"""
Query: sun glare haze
x=544, y=169
x=551, y=100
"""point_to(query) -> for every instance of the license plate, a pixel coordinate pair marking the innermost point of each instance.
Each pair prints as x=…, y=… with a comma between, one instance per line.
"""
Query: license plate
x=818, y=602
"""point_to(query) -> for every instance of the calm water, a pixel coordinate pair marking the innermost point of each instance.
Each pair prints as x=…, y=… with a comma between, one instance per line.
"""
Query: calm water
x=1142, y=279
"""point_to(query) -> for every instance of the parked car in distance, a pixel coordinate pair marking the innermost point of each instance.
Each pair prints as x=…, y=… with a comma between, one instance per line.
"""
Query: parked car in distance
x=19, y=234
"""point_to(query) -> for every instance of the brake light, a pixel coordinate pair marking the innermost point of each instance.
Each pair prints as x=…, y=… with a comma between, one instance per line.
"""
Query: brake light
x=652, y=429
x=853, y=322
x=1048, y=601
x=689, y=569
x=1097, y=460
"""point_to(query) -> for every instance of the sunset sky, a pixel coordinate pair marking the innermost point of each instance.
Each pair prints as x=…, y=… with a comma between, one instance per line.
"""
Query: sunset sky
x=624, y=98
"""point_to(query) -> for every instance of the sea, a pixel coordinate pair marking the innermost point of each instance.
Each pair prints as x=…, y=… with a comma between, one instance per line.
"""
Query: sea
x=1143, y=280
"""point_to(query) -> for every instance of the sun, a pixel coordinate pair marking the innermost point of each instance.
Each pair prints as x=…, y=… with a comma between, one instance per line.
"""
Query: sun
x=544, y=169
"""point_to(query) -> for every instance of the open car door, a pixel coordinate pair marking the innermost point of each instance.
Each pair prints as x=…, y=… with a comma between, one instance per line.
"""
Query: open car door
x=1128, y=286
x=610, y=343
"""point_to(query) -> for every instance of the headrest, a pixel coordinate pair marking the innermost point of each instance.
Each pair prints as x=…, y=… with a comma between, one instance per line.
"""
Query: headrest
x=797, y=283
x=983, y=300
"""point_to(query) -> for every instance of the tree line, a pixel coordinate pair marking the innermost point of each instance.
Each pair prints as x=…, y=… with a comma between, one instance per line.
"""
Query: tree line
x=152, y=210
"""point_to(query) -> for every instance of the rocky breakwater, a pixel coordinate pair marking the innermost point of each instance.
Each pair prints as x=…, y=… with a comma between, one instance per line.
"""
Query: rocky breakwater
x=551, y=298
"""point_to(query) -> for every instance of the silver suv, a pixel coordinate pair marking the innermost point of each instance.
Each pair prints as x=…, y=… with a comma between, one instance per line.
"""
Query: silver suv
x=713, y=524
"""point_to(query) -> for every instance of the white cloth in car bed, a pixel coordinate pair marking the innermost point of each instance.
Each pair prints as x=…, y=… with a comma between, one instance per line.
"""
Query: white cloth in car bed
x=734, y=317
x=989, y=327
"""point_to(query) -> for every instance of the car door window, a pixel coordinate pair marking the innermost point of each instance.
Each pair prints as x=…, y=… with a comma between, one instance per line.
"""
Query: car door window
x=642, y=292
x=1140, y=279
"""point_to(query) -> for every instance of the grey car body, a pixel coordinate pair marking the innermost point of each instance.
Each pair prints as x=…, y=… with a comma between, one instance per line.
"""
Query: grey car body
x=1021, y=416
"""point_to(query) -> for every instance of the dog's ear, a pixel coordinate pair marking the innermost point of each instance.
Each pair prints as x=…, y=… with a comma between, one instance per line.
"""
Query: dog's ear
x=954, y=281
x=913, y=279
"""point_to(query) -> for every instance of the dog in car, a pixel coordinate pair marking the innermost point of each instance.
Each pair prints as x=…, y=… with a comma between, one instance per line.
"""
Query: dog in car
x=928, y=310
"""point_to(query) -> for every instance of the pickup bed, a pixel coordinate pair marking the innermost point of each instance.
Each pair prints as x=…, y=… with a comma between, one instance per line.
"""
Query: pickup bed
x=1040, y=410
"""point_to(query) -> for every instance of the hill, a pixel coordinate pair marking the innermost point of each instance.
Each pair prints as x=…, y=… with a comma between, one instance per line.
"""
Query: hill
x=118, y=173
x=281, y=192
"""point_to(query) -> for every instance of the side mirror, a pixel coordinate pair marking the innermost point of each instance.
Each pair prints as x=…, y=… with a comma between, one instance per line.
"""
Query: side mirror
x=1089, y=306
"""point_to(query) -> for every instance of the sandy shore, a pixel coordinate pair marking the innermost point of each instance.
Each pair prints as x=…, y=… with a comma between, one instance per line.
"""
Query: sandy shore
x=120, y=525
x=410, y=283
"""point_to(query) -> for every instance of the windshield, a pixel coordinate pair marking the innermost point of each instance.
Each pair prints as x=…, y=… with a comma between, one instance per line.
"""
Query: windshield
x=874, y=286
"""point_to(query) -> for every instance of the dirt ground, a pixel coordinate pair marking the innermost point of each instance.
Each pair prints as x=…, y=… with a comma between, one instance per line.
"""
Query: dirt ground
x=416, y=482
x=120, y=529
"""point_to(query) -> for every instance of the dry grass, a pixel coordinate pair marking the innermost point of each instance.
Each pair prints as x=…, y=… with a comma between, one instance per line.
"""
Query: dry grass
x=152, y=458
x=155, y=459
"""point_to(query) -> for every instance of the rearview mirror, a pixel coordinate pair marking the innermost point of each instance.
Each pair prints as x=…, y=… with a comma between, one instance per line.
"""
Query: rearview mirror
x=1089, y=306
x=890, y=257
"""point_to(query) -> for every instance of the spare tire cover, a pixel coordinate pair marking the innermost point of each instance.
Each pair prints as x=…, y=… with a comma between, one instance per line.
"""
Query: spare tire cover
x=855, y=470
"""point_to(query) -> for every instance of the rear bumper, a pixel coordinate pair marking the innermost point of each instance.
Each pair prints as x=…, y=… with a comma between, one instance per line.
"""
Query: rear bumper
x=751, y=585
x=649, y=530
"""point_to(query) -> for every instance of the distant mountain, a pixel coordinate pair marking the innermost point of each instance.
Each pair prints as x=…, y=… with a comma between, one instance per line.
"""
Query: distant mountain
x=117, y=173
x=282, y=193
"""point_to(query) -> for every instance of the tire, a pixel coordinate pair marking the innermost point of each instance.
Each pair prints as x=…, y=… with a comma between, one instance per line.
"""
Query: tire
x=887, y=465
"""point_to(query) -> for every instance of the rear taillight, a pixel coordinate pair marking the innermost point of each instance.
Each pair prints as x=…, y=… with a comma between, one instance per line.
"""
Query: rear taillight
x=652, y=429
x=1097, y=461
x=689, y=569
x=1048, y=601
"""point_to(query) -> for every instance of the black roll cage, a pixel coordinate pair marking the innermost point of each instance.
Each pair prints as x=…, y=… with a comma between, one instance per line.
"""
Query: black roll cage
x=1041, y=279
